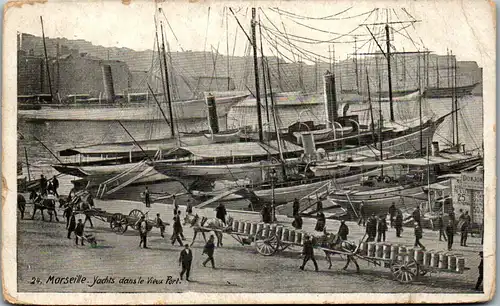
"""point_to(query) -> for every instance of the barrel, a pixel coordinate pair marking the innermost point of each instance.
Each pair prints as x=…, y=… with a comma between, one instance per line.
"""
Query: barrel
x=410, y=252
x=402, y=253
x=241, y=227
x=286, y=233
x=379, y=250
x=443, y=261
x=387, y=251
x=253, y=231
x=460, y=265
x=265, y=232
x=371, y=249
x=248, y=228
x=279, y=232
x=427, y=258
x=298, y=237
x=272, y=230
x=260, y=227
x=434, y=260
x=419, y=257
x=394, y=251
x=235, y=225
x=291, y=237
x=452, y=262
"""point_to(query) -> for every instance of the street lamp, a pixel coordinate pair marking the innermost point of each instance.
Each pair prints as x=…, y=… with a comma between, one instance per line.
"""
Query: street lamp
x=273, y=175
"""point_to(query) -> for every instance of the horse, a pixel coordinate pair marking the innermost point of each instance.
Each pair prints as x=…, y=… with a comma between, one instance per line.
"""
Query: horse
x=41, y=204
x=332, y=243
x=21, y=204
x=204, y=225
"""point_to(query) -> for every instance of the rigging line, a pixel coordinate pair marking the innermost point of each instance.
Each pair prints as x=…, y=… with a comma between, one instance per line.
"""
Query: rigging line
x=288, y=39
x=409, y=36
x=241, y=27
x=466, y=125
x=328, y=18
x=171, y=30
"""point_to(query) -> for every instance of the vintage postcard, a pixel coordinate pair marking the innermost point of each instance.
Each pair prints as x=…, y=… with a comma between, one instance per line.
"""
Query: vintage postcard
x=188, y=152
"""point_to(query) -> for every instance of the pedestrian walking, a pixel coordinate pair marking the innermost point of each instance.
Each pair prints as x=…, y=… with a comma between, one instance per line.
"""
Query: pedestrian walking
x=296, y=207
x=142, y=225
x=209, y=249
x=68, y=212
x=160, y=225
x=398, y=223
x=392, y=213
x=343, y=230
x=381, y=229
x=464, y=229
x=55, y=185
x=176, y=206
x=451, y=216
x=362, y=214
x=43, y=185
x=308, y=252
x=320, y=222
x=220, y=212
x=371, y=228
x=418, y=236
x=71, y=225
x=185, y=260
x=176, y=231
x=416, y=215
x=85, y=205
x=479, y=283
x=189, y=207
x=441, y=227
x=319, y=206
x=266, y=213
x=450, y=232
x=147, y=197
x=79, y=232
x=297, y=221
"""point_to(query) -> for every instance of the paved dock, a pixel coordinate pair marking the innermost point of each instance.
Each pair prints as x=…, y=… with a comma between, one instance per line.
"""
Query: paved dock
x=44, y=251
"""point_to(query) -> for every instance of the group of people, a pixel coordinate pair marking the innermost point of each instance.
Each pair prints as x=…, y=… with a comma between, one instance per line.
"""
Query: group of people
x=49, y=185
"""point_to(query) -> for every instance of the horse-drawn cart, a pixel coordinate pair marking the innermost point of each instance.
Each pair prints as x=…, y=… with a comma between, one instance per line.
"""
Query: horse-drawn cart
x=118, y=222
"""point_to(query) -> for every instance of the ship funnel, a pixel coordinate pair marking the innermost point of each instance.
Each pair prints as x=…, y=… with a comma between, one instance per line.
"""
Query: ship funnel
x=308, y=145
x=435, y=148
x=213, y=120
x=108, y=83
x=330, y=98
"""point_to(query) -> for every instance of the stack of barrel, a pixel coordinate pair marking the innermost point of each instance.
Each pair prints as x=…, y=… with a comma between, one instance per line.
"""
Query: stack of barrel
x=263, y=231
x=433, y=259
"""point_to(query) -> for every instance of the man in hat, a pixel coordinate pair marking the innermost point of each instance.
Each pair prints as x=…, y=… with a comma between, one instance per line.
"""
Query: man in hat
x=441, y=227
x=362, y=213
x=398, y=223
x=209, y=250
x=343, y=230
x=147, y=197
x=450, y=232
x=185, y=260
x=161, y=225
x=381, y=228
x=43, y=185
x=392, y=213
x=464, y=229
x=142, y=224
x=418, y=236
x=416, y=215
x=71, y=225
x=55, y=185
x=296, y=206
x=297, y=221
x=371, y=228
x=79, y=232
x=177, y=230
x=308, y=252
x=220, y=212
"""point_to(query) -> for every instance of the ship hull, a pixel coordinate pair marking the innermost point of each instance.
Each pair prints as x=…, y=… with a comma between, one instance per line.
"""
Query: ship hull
x=447, y=92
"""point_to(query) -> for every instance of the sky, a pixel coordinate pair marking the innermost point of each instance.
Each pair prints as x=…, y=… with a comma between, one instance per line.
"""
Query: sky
x=465, y=27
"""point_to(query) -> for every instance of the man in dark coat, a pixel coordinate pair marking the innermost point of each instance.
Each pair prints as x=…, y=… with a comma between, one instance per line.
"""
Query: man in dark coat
x=441, y=227
x=362, y=214
x=308, y=252
x=418, y=236
x=185, y=259
x=398, y=223
x=147, y=197
x=220, y=212
x=321, y=222
x=209, y=250
x=297, y=222
x=68, y=212
x=266, y=213
x=296, y=206
x=416, y=215
x=464, y=229
x=371, y=228
x=450, y=232
x=43, y=185
x=479, y=282
x=79, y=232
x=451, y=215
x=142, y=225
x=176, y=206
x=177, y=230
x=343, y=230
x=392, y=213
x=381, y=228
x=160, y=225
x=55, y=185
x=71, y=225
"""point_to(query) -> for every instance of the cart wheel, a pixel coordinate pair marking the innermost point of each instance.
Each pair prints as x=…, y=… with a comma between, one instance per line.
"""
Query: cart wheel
x=267, y=247
x=405, y=271
x=135, y=215
x=118, y=223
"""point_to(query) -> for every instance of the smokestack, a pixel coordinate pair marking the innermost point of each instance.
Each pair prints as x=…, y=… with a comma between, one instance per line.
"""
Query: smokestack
x=330, y=98
x=435, y=148
x=108, y=83
x=213, y=120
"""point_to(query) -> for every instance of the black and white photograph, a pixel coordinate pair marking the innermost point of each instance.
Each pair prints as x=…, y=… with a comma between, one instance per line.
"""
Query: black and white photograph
x=244, y=152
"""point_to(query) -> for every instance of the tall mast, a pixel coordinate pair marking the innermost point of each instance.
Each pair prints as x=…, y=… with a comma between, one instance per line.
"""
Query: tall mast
x=427, y=68
x=340, y=74
x=171, y=115
x=273, y=110
x=264, y=73
x=372, y=125
x=450, y=80
x=278, y=66
x=46, y=60
x=456, y=103
x=162, y=74
x=316, y=74
x=420, y=104
x=227, y=51
x=256, y=71
x=356, y=62
x=388, y=55
x=380, y=121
